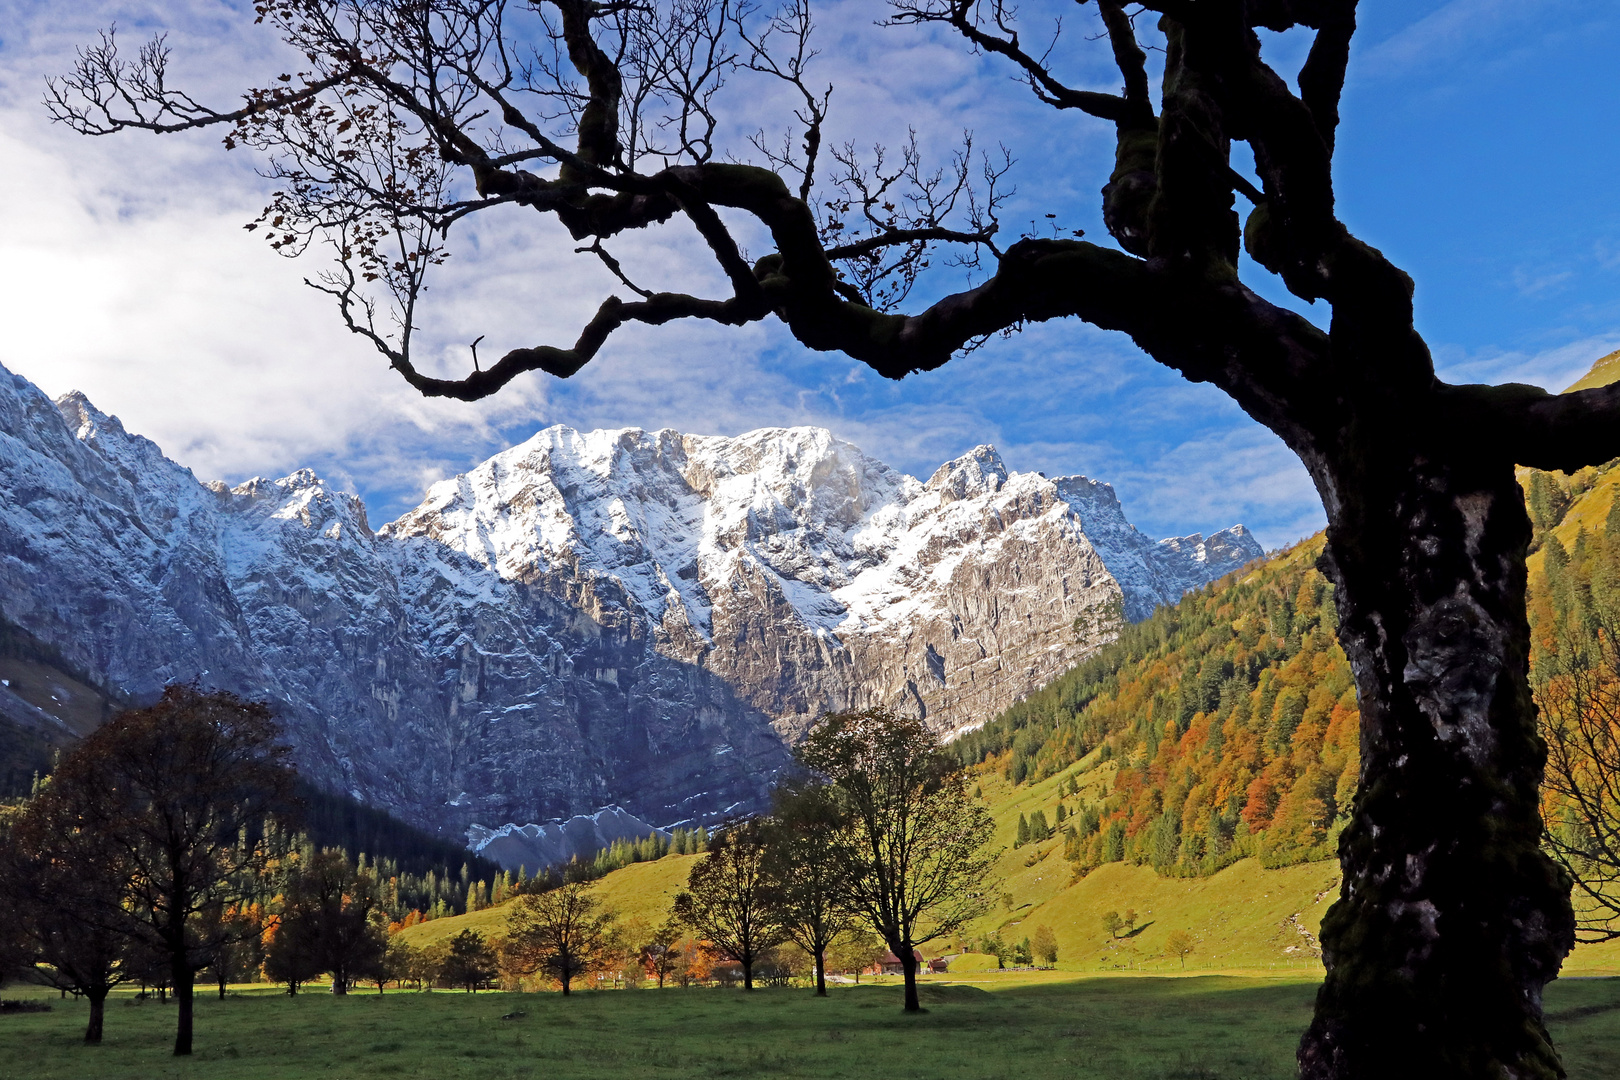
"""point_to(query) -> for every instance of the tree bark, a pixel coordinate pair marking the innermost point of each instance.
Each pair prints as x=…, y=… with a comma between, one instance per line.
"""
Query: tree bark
x=748, y=974
x=184, y=978
x=1450, y=919
x=98, y=1013
x=908, y=965
x=821, y=973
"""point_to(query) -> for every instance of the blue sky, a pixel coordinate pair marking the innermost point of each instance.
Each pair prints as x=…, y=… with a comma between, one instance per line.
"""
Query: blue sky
x=1480, y=149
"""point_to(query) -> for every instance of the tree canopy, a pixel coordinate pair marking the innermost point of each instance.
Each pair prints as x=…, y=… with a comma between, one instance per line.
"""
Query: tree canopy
x=185, y=794
x=920, y=864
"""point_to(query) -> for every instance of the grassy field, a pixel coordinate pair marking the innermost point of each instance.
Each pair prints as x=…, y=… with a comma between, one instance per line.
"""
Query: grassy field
x=1028, y=1025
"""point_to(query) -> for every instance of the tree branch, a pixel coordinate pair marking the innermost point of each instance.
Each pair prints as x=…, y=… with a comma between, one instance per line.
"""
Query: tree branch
x=960, y=15
x=1529, y=426
x=101, y=81
x=1321, y=80
x=891, y=237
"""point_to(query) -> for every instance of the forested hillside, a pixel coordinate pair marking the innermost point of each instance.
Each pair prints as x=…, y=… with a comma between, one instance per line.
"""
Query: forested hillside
x=1229, y=720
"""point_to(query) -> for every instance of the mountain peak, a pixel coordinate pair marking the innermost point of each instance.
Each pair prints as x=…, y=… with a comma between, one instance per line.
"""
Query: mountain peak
x=85, y=419
x=617, y=616
x=979, y=471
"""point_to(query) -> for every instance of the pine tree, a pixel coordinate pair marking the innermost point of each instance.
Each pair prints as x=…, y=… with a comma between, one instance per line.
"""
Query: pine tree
x=1023, y=832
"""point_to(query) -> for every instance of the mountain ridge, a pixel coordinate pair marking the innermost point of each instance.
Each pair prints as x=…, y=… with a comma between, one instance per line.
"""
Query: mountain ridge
x=585, y=619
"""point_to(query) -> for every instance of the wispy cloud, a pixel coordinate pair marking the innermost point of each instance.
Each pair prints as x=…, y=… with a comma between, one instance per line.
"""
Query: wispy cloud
x=125, y=273
x=1428, y=43
x=1552, y=368
x=1531, y=283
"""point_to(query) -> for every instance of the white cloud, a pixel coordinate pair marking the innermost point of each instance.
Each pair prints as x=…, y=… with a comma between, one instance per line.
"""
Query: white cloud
x=1552, y=368
x=124, y=272
x=1427, y=43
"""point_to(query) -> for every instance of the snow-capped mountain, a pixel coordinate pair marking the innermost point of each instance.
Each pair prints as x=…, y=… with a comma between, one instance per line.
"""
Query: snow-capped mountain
x=624, y=617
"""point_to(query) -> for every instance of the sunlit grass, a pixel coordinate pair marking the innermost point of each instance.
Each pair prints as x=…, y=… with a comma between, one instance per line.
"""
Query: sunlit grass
x=1025, y=1025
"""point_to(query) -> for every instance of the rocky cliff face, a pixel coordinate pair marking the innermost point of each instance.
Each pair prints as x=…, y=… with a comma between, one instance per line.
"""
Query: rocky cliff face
x=621, y=617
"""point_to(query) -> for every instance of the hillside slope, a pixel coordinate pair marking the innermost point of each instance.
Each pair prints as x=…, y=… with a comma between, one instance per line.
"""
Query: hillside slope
x=1221, y=727
x=1243, y=918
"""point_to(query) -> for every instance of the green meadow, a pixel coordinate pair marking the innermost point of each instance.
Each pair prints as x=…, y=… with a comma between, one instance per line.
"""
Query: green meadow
x=1025, y=1025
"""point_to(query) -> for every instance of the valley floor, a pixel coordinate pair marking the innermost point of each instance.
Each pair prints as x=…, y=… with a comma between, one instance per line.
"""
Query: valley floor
x=1029, y=1025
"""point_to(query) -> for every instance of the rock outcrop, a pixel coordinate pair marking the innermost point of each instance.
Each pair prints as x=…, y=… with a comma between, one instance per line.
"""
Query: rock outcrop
x=613, y=617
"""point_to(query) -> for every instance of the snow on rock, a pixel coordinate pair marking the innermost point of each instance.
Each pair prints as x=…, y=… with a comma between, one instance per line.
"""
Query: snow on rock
x=552, y=844
x=609, y=617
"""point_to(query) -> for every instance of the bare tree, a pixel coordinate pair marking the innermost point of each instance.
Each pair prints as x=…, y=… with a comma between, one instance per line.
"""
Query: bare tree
x=184, y=793
x=561, y=933
x=729, y=900
x=410, y=116
x=1577, y=685
x=920, y=863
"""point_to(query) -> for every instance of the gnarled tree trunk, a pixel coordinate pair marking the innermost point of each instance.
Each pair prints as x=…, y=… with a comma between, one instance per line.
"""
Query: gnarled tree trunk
x=1451, y=919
